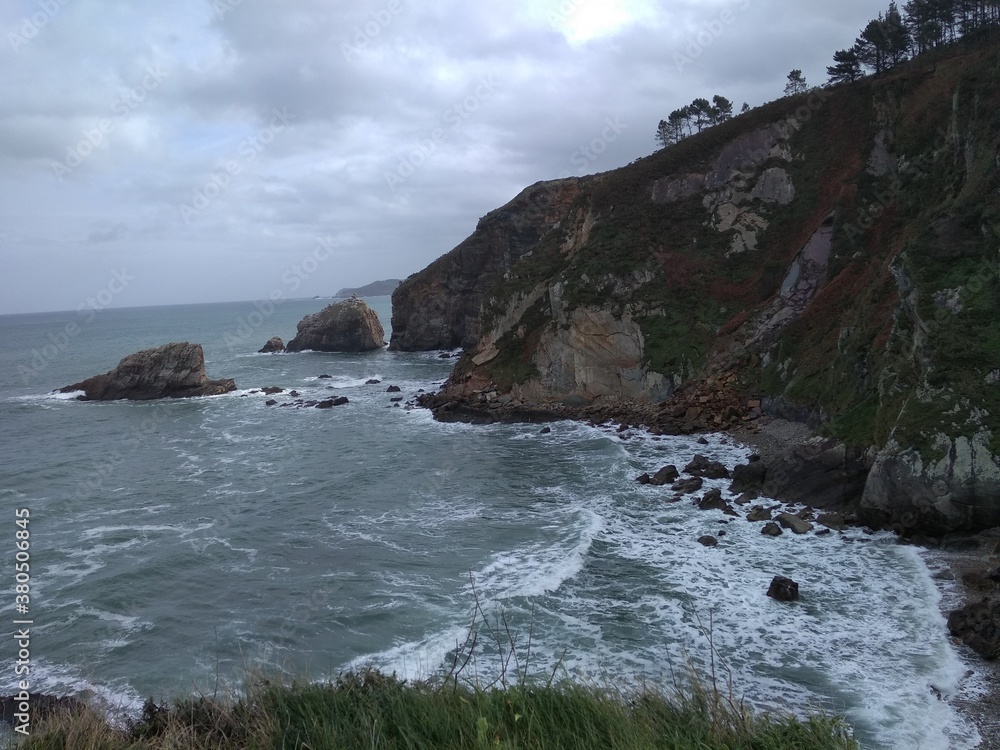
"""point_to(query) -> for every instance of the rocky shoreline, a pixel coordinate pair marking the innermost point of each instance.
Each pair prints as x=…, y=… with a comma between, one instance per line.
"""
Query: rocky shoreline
x=966, y=567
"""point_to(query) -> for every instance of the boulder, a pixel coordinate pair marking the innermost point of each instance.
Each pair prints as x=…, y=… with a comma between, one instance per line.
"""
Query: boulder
x=273, y=345
x=271, y=390
x=174, y=370
x=666, y=475
x=793, y=522
x=700, y=466
x=771, y=529
x=392, y=389
x=978, y=626
x=691, y=484
x=759, y=513
x=783, y=589
x=708, y=541
x=372, y=381
x=712, y=500
x=347, y=326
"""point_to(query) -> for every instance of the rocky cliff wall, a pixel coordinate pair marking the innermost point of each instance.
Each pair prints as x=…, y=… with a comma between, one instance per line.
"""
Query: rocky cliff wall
x=837, y=255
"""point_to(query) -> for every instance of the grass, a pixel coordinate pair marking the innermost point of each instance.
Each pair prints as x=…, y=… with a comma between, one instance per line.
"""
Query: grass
x=373, y=710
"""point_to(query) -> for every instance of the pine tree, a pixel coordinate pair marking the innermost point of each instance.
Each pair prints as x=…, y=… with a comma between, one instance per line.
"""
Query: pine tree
x=897, y=38
x=722, y=108
x=846, y=67
x=701, y=113
x=663, y=134
x=796, y=83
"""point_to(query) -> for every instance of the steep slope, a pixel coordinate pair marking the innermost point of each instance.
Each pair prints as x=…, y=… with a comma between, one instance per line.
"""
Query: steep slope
x=834, y=254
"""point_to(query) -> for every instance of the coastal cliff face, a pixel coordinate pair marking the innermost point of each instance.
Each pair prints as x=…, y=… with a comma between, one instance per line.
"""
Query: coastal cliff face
x=439, y=307
x=836, y=255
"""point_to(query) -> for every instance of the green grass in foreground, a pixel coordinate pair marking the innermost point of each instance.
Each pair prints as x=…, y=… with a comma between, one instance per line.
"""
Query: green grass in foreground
x=372, y=710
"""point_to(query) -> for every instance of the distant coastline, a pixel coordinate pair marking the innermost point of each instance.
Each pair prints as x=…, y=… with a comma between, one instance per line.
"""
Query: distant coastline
x=375, y=289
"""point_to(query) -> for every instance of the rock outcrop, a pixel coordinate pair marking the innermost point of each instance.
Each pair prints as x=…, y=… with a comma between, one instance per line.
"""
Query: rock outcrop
x=274, y=345
x=348, y=326
x=174, y=370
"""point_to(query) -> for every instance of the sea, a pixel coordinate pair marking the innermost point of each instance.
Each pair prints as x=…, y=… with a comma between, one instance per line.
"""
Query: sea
x=180, y=547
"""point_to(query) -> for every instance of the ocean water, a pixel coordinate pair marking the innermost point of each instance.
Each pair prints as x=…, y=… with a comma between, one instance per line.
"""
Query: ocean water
x=175, y=544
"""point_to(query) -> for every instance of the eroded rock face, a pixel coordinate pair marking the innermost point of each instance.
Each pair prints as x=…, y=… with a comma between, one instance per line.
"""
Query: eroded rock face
x=957, y=492
x=174, y=370
x=596, y=354
x=439, y=307
x=348, y=326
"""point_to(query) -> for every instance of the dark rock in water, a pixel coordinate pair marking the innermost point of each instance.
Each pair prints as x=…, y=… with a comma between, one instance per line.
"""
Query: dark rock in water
x=546, y=431
x=708, y=541
x=683, y=486
x=293, y=394
x=326, y=404
x=340, y=401
x=793, y=522
x=824, y=532
x=393, y=389
x=324, y=376
x=41, y=706
x=396, y=398
x=271, y=390
x=273, y=345
x=702, y=467
x=978, y=626
x=372, y=381
x=712, y=500
x=174, y=370
x=746, y=498
x=666, y=475
x=783, y=589
x=771, y=529
x=702, y=441
x=270, y=402
x=643, y=478
x=759, y=513
x=833, y=521
x=348, y=326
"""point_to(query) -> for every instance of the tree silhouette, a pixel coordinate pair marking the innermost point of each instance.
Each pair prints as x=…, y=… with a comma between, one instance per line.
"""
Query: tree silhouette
x=796, y=83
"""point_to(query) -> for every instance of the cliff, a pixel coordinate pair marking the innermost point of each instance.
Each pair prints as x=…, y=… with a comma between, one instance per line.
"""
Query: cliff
x=834, y=255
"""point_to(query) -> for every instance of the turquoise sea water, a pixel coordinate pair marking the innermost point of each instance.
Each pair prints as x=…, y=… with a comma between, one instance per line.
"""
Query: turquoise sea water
x=175, y=543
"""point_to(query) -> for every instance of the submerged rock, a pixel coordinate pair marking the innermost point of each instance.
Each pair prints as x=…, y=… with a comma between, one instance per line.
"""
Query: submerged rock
x=348, y=326
x=175, y=370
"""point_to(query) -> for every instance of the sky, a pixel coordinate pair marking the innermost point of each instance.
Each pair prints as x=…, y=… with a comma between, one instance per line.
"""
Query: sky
x=226, y=150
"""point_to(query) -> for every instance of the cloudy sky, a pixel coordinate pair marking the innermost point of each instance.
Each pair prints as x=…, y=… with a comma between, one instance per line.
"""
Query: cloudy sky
x=216, y=150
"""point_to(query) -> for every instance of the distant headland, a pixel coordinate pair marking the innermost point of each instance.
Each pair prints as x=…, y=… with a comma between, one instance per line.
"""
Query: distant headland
x=375, y=289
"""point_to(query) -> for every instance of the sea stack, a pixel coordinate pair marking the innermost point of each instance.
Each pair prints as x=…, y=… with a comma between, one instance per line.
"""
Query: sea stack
x=348, y=326
x=174, y=370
